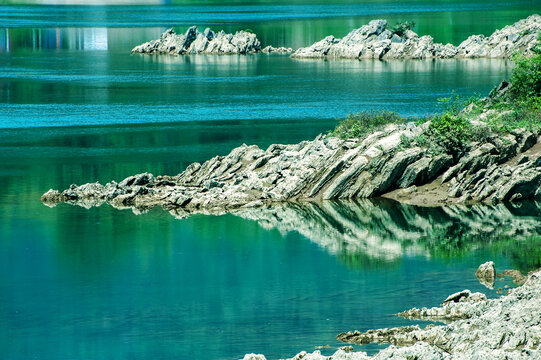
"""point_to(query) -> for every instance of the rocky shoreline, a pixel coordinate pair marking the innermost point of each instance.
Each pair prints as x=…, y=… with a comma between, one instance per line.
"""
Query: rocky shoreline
x=378, y=41
x=498, y=169
x=508, y=327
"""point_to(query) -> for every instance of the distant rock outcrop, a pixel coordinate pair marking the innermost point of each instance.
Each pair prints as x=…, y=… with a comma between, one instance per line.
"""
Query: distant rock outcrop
x=377, y=41
x=206, y=42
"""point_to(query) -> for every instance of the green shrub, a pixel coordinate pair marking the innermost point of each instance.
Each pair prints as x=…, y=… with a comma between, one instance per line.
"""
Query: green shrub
x=451, y=133
x=526, y=77
x=361, y=124
x=401, y=27
x=454, y=103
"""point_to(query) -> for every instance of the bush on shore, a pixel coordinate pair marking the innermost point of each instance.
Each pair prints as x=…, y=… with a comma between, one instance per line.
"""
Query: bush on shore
x=449, y=132
x=526, y=77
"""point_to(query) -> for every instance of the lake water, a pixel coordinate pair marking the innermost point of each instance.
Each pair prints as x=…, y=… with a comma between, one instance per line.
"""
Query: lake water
x=108, y=284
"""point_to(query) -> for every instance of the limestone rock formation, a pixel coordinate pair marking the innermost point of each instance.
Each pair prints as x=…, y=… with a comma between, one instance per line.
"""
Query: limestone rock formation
x=254, y=357
x=330, y=168
x=206, y=42
x=377, y=41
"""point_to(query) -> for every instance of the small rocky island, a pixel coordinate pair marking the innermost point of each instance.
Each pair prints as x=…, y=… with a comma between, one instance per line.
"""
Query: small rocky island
x=377, y=40
x=206, y=42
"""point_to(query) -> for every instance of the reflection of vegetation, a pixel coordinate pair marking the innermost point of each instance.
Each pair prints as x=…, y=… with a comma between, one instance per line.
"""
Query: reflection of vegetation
x=374, y=233
x=525, y=253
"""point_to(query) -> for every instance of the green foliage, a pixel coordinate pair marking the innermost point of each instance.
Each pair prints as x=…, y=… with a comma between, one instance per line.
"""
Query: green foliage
x=248, y=31
x=446, y=134
x=401, y=27
x=454, y=103
x=361, y=124
x=521, y=117
x=526, y=78
x=451, y=133
x=520, y=107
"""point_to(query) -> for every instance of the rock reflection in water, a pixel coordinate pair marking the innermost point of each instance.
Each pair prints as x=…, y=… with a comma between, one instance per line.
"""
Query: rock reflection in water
x=365, y=232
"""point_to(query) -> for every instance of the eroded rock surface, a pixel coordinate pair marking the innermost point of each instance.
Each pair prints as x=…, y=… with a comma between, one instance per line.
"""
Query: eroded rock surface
x=377, y=41
x=460, y=305
x=329, y=168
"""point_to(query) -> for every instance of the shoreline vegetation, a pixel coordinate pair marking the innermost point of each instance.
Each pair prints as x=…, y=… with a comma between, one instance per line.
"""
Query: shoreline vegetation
x=376, y=40
x=478, y=150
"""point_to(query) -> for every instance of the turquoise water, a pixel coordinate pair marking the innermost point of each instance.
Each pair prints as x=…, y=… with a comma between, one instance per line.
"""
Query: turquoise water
x=107, y=284
x=68, y=88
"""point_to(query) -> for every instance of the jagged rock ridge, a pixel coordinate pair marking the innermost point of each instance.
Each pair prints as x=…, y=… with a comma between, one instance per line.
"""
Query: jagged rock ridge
x=330, y=168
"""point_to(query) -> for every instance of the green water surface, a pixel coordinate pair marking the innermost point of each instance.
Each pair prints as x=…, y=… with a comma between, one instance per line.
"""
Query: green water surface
x=101, y=283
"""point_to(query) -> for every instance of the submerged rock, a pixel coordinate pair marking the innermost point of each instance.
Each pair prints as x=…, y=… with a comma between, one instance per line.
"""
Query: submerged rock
x=376, y=41
x=516, y=275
